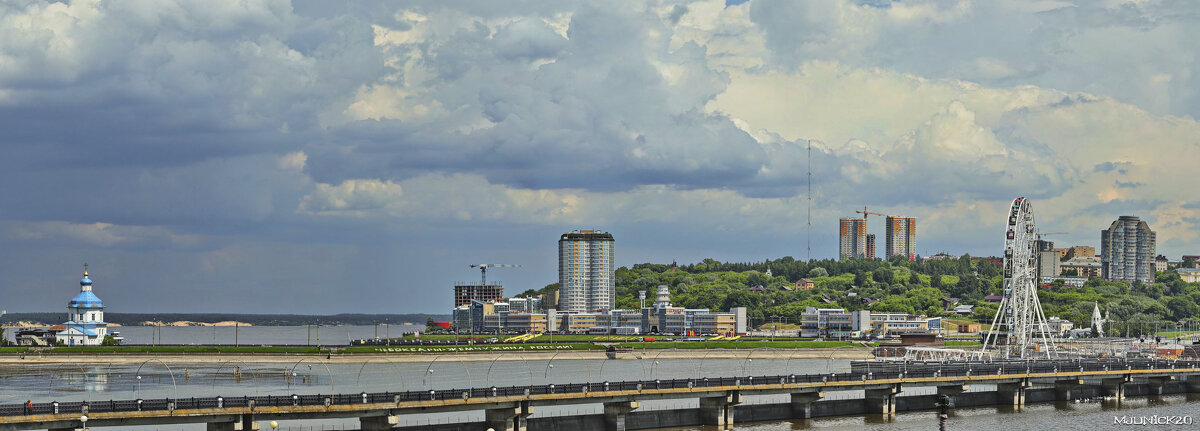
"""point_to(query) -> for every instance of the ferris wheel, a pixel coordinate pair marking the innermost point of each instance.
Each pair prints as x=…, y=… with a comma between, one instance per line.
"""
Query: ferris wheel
x=1020, y=324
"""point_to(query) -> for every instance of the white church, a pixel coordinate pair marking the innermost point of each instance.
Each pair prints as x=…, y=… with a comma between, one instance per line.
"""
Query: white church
x=85, y=317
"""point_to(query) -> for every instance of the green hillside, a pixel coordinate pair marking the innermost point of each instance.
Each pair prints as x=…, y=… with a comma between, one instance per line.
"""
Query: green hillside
x=900, y=286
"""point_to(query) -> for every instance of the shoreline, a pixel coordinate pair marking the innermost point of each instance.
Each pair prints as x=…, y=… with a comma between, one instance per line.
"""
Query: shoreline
x=359, y=358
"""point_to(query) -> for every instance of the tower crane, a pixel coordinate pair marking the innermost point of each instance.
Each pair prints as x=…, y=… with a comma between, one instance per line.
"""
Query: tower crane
x=864, y=212
x=483, y=267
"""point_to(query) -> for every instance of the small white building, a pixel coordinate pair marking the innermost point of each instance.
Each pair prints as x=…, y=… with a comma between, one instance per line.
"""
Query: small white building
x=85, y=317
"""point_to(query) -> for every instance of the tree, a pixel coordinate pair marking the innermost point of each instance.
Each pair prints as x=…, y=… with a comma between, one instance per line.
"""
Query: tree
x=913, y=278
x=429, y=324
x=860, y=279
x=740, y=298
x=818, y=272
x=1095, y=332
x=883, y=275
x=935, y=280
x=109, y=340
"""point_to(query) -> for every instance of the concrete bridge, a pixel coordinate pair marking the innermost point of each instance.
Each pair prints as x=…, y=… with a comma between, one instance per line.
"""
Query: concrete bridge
x=509, y=408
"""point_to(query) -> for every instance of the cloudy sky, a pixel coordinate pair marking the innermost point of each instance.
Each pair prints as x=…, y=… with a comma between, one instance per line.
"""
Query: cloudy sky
x=321, y=157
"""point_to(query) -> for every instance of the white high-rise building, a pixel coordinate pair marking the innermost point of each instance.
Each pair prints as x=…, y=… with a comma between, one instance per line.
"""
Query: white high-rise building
x=586, y=272
x=1127, y=251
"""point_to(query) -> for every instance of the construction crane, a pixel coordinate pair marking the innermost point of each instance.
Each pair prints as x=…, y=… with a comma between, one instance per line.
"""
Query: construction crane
x=483, y=267
x=864, y=212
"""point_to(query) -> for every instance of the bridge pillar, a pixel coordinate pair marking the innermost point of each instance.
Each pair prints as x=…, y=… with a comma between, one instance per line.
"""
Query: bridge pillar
x=614, y=414
x=802, y=403
x=1114, y=389
x=718, y=411
x=1067, y=390
x=1155, y=385
x=1012, y=392
x=509, y=419
x=1193, y=383
x=377, y=423
x=951, y=392
x=247, y=423
x=882, y=401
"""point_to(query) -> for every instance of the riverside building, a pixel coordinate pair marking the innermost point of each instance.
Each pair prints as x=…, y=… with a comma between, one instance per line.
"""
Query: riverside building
x=85, y=324
x=586, y=272
x=837, y=322
x=1127, y=251
x=662, y=317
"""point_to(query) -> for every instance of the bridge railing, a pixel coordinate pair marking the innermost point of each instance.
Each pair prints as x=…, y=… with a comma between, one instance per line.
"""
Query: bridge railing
x=882, y=371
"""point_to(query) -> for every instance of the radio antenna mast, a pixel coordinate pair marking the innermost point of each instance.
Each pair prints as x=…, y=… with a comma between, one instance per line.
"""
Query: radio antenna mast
x=809, y=239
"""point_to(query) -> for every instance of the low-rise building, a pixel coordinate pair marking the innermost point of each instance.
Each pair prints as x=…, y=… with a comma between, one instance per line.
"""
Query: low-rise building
x=1058, y=327
x=1190, y=275
x=513, y=316
x=837, y=322
x=1079, y=251
x=1081, y=266
x=35, y=337
x=805, y=284
x=1067, y=280
x=1161, y=263
x=969, y=328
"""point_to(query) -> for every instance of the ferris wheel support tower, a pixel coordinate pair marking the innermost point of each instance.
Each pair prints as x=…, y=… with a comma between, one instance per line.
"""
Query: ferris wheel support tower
x=1019, y=319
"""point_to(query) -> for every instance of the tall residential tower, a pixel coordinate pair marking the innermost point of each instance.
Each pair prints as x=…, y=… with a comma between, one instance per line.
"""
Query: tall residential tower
x=852, y=243
x=1127, y=251
x=586, y=272
x=901, y=237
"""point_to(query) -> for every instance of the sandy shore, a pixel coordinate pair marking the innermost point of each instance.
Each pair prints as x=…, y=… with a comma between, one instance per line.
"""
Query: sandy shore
x=131, y=359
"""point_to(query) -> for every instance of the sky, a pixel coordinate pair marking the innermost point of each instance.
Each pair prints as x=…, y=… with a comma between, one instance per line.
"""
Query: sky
x=336, y=157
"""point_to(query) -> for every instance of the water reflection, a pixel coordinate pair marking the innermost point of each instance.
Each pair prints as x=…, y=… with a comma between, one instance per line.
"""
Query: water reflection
x=235, y=377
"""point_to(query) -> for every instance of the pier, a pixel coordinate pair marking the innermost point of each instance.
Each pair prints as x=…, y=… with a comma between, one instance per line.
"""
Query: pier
x=509, y=408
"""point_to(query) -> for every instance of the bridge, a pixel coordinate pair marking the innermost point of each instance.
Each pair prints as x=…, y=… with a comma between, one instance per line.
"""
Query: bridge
x=509, y=408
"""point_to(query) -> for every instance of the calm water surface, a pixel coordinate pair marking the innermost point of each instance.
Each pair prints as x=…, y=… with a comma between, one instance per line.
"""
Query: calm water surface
x=68, y=382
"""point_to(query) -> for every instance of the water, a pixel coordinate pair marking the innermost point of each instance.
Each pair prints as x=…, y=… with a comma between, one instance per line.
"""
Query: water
x=259, y=335
x=1050, y=416
x=313, y=375
x=234, y=377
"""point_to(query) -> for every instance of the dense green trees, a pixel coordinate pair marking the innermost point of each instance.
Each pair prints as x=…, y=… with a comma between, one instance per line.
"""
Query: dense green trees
x=895, y=286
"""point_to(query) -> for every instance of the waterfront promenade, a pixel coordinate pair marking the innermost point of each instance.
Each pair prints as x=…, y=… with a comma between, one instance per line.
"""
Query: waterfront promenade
x=508, y=408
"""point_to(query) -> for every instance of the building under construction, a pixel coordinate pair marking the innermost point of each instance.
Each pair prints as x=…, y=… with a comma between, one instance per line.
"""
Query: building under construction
x=464, y=292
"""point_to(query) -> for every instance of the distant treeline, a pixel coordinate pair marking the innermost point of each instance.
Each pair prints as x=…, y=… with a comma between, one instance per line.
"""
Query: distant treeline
x=130, y=319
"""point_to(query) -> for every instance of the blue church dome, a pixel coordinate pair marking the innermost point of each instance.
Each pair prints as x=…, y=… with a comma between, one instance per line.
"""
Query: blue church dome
x=85, y=282
x=86, y=299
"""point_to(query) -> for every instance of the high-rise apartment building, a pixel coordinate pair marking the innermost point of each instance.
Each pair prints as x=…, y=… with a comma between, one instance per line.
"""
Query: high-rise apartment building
x=586, y=272
x=901, y=237
x=870, y=246
x=1127, y=251
x=853, y=238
